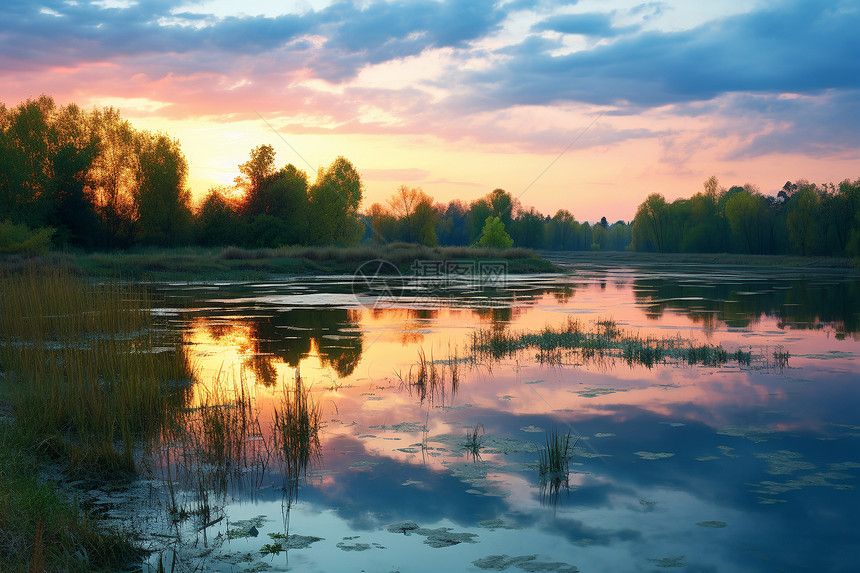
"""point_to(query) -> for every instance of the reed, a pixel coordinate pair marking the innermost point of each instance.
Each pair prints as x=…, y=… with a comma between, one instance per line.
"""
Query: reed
x=87, y=368
x=432, y=380
x=296, y=427
x=604, y=342
x=474, y=441
x=554, y=466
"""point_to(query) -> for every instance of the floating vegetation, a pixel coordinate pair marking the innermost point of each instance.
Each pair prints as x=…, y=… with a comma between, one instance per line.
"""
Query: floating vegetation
x=654, y=455
x=604, y=342
x=669, y=562
x=436, y=538
x=523, y=562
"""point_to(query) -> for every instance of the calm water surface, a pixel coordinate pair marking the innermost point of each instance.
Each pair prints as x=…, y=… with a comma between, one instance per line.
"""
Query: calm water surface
x=731, y=468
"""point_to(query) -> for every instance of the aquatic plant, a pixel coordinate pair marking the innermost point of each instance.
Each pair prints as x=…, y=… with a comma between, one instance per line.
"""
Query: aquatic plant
x=432, y=380
x=474, y=441
x=601, y=342
x=296, y=431
x=88, y=368
x=554, y=466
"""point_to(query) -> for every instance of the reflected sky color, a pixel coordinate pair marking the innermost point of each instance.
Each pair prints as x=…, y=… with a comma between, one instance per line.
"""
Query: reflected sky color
x=742, y=468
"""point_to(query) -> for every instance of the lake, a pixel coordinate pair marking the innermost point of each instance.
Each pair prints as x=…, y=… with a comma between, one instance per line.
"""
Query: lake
x=428, y=453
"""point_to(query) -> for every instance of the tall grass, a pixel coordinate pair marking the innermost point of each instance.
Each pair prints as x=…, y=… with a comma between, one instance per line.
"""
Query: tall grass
x=554, y=466
x=431, y=380
x=88, y=378
x=296, y=429
x=86, y=367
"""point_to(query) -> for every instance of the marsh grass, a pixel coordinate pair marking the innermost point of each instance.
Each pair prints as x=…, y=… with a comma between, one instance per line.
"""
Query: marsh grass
x=87, y=370
x=474, y=441
x=40, y=529
x=603, y=342
x=296, y=433
x=431, y=380
x=554, y=466
x=88, y=378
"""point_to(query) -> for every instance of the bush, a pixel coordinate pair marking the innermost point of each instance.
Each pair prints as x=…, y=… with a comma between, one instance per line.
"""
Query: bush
x=20, y=239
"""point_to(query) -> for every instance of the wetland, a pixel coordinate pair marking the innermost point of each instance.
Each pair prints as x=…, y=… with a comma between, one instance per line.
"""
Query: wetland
x=614, y=417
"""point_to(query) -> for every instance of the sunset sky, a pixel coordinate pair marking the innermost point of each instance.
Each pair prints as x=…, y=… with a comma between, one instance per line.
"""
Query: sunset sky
x=587, y=106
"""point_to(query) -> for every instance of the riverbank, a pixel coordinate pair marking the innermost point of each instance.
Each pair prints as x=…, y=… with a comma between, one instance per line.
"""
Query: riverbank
x=575, y=259
x=236, y=263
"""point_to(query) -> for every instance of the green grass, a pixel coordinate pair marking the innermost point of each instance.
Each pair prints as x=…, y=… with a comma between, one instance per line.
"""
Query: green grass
x=85, y=381
x=433, y=380
x=40, y=528
x=85, y=367
x=554, y=466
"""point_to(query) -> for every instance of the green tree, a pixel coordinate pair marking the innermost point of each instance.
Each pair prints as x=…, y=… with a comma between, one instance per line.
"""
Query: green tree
x=563, y=231
x=161, y=198
x=649, y=225
x=803, y=219
x=256, y=174
x=334, y=201
x=494, y=234
x=286, y=198
x=749, y=221
x=218, y=222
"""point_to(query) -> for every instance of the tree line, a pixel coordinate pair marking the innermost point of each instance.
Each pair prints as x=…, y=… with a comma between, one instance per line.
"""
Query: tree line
x=802, y=219
x=88, y=179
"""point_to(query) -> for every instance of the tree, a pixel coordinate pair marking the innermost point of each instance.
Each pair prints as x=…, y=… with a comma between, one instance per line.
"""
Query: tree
x=286, y=199
x=563, y=231
x=162, y=201
x=334, y=201
x=256, y=174
x=114, y=175
x=494, y=235
x=649, y=224
x=803, y=219
x=747, y=217
x=218, y=221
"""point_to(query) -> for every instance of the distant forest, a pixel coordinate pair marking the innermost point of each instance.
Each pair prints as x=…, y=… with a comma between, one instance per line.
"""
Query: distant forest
x=71, y=178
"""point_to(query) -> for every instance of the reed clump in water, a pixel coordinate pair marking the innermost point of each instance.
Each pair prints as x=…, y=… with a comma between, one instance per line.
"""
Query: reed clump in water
x=604, y=342
x=554, y=466
x=432, y=380
x=296, y=427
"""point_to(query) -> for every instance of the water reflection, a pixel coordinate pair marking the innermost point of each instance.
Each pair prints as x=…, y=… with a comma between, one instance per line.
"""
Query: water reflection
x=799, y=303
x=713, y=460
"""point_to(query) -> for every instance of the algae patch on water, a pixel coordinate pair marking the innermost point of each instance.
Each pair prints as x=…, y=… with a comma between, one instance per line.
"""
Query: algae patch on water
x=436, y=538
x=524, y=562
x=713, y=524
x=653, y=455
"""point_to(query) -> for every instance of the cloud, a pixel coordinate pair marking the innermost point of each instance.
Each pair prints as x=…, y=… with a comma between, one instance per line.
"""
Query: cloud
x=589, y=24
x=796, y=46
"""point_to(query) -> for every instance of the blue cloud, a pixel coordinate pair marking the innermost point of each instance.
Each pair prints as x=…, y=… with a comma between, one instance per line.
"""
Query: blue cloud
x=797, y=46
x=590, y=24
x=356, y=36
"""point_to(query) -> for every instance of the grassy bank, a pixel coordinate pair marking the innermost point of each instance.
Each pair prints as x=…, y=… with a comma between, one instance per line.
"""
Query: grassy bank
x=236, y=263
x=85, y=380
